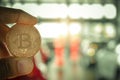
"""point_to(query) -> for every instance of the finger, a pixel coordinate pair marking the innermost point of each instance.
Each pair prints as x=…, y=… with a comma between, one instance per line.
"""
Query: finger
x=10, y=15
x=3, y=31
x=14, y=67
x=3, y=51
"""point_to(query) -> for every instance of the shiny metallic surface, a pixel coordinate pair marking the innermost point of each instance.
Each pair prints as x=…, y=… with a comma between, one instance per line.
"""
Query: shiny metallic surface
x=23, y=40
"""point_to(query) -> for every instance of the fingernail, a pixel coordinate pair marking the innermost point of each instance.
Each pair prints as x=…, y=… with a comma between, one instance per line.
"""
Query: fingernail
x=25, y=66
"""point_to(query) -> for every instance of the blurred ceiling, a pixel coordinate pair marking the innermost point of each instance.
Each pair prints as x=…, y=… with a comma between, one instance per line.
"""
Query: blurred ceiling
x=4, y=2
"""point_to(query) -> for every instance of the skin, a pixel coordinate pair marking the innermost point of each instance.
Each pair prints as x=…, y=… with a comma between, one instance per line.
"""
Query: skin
x=17, y=66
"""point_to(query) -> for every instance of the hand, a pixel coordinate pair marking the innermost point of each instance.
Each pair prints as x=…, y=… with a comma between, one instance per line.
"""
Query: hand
x=11, y=66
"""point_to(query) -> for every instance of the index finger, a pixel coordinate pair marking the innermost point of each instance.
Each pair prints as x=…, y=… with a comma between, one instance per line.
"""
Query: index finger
x=10, y=15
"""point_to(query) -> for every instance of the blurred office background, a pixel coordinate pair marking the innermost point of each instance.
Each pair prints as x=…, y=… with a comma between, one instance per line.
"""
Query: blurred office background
x=80, y=38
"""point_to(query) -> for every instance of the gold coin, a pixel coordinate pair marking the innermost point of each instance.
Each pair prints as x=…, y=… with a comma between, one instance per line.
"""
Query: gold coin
x=23, y=40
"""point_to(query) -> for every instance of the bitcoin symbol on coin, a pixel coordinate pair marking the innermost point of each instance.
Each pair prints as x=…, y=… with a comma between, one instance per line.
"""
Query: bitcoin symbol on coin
x=23, y=41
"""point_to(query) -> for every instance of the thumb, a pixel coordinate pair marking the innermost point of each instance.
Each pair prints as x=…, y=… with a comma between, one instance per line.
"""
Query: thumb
x=14, y=67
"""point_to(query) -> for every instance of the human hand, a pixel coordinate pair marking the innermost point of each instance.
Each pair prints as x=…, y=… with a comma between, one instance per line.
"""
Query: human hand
x=11, y=66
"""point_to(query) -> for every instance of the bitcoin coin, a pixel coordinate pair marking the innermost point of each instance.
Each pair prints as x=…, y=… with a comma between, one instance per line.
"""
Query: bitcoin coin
x=23, y=40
